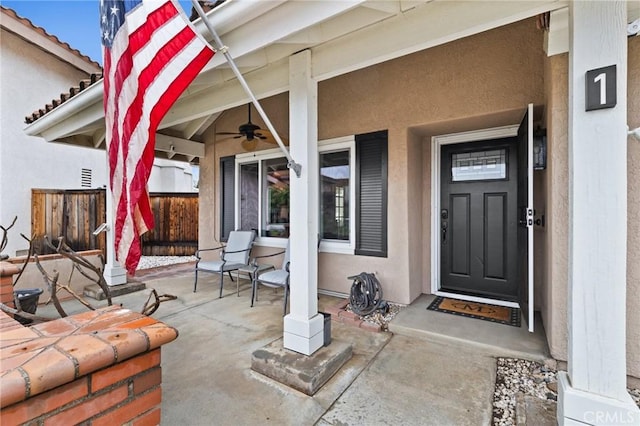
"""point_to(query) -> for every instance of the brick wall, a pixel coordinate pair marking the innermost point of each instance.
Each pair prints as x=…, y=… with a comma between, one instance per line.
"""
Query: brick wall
x=7, y=270
x=99, y=367
x=126, y=392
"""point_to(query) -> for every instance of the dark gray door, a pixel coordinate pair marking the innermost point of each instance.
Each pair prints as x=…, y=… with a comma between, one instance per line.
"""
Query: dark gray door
x=479, y=218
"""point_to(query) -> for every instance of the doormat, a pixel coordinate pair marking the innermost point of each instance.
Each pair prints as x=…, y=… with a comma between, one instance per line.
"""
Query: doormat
x=483, y=311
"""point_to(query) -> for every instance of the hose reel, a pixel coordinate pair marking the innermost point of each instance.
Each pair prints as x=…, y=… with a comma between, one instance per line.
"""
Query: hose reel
x=366, y=295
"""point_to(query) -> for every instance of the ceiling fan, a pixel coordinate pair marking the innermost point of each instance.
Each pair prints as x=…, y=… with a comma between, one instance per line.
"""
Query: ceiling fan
x=250, y=133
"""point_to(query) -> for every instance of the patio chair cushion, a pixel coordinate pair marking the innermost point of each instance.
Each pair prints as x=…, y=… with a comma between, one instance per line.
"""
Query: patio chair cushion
x=214, y=266
x=277, y=278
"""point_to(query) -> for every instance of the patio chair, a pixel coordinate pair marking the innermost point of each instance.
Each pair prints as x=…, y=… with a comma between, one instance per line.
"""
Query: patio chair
x=274, y=279
x=233, y=256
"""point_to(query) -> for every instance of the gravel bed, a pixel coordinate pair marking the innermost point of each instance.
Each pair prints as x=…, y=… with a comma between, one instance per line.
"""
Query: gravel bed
x=530, y=378
x=148, y=262
x=379, y=317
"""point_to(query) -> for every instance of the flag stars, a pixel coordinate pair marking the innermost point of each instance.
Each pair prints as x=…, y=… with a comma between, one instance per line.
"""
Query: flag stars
x=114, y=10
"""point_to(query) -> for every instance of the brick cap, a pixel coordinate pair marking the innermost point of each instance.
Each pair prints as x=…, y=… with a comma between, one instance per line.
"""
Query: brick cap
x=8, y=269
x=39, y=358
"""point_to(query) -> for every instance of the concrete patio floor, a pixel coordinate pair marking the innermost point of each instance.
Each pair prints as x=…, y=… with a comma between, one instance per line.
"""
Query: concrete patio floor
x=410, y=376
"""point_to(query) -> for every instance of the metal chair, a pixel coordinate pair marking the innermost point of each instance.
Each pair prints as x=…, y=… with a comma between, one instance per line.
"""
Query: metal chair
x=274, y=279
x=234, y=255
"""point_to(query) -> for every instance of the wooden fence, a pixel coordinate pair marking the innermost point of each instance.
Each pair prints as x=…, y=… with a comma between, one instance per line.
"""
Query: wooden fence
x=176, y=230
x=72, y=214
x=75, y=214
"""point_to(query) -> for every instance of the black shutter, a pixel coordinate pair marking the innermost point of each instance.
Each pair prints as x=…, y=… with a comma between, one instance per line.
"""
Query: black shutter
x=227, y=200
x=371, y=194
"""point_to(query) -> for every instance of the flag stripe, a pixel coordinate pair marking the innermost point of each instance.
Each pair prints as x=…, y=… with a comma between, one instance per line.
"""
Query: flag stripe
x=151, y=55
x=136, y=121
x=154, y=96
x=142, y=51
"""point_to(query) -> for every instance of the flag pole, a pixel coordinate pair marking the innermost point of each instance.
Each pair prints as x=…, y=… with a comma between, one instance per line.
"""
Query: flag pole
x=220, y=47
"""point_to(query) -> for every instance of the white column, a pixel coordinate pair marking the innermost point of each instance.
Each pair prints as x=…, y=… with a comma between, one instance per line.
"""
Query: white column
x=593, y=391
x=303, y=327
x=114, y=274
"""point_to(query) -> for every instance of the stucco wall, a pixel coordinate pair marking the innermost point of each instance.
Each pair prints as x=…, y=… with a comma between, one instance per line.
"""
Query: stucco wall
x=442, y=88
x=633, y=211
x=30, y=78
x=554, y=302
x=554, y=310
x=478, y=82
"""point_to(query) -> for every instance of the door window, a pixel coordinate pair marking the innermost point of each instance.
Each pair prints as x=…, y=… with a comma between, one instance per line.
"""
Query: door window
x=479, y=165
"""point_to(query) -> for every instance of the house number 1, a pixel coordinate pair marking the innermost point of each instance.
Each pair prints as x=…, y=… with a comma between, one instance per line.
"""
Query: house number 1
x=601, y=88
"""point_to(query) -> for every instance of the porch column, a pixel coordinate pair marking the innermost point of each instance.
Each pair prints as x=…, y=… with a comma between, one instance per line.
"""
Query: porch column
x=114, y=274
x=593, y=391
x=303, y=327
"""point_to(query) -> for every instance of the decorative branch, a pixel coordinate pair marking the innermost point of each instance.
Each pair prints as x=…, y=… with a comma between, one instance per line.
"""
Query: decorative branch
x=80, y=262
x=23, y=314
x=5, y=239
x=82, y=265
x=26, y=262
x=150, y=307
x=51, y=282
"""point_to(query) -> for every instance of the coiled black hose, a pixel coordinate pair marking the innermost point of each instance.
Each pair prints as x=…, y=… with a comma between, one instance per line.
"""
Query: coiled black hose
x=366, y=294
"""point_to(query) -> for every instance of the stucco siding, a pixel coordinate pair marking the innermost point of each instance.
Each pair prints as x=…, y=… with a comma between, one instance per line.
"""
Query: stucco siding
x=478, y=82
x=554, y=303
x=633, y=206
x=30, y=75
x=447, y=86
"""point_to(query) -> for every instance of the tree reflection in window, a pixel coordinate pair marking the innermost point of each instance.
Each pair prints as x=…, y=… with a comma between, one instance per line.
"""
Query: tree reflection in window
x=334, y=199
x=276, y=199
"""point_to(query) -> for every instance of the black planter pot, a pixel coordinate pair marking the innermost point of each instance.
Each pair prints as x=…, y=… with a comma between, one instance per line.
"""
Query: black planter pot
x=28, y=299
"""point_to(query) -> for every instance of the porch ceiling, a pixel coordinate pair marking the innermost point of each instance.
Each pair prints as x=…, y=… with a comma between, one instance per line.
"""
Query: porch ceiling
x=343, y=36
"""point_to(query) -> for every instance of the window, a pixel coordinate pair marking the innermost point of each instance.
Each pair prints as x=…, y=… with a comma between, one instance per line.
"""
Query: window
x=335, y=176
x=336, y=159
x=263, y=195
x=227, y=199
x=353, y=194
x=276, y=198
x=479, y=165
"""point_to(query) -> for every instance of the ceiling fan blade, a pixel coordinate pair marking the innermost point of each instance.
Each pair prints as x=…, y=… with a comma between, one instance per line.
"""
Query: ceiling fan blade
x=274, y=142
x=263, y=134
x=249, y=144
x=228, y=133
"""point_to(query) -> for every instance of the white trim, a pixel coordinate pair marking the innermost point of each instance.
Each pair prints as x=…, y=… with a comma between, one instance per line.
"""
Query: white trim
x=436, y=144
x=530, y=210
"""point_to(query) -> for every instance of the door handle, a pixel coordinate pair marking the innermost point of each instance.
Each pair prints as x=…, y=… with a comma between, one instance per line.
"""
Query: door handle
x=443, y=228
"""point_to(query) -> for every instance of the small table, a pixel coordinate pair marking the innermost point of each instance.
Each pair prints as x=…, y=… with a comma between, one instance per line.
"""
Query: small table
x=249, y=270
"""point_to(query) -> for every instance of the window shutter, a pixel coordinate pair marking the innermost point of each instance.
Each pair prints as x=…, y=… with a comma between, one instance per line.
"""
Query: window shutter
x=371, y=194
x=227, y=201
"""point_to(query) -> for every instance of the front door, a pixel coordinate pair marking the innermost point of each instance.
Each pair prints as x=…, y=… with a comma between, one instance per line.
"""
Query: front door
x=479, y=219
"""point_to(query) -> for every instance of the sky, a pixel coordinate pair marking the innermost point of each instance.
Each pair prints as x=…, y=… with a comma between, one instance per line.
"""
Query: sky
x=73, y=21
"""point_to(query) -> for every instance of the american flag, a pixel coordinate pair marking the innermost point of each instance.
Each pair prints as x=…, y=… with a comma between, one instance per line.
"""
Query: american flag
x=151, y=53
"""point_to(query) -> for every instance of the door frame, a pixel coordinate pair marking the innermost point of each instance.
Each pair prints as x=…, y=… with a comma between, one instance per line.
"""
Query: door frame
x=436, y=147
